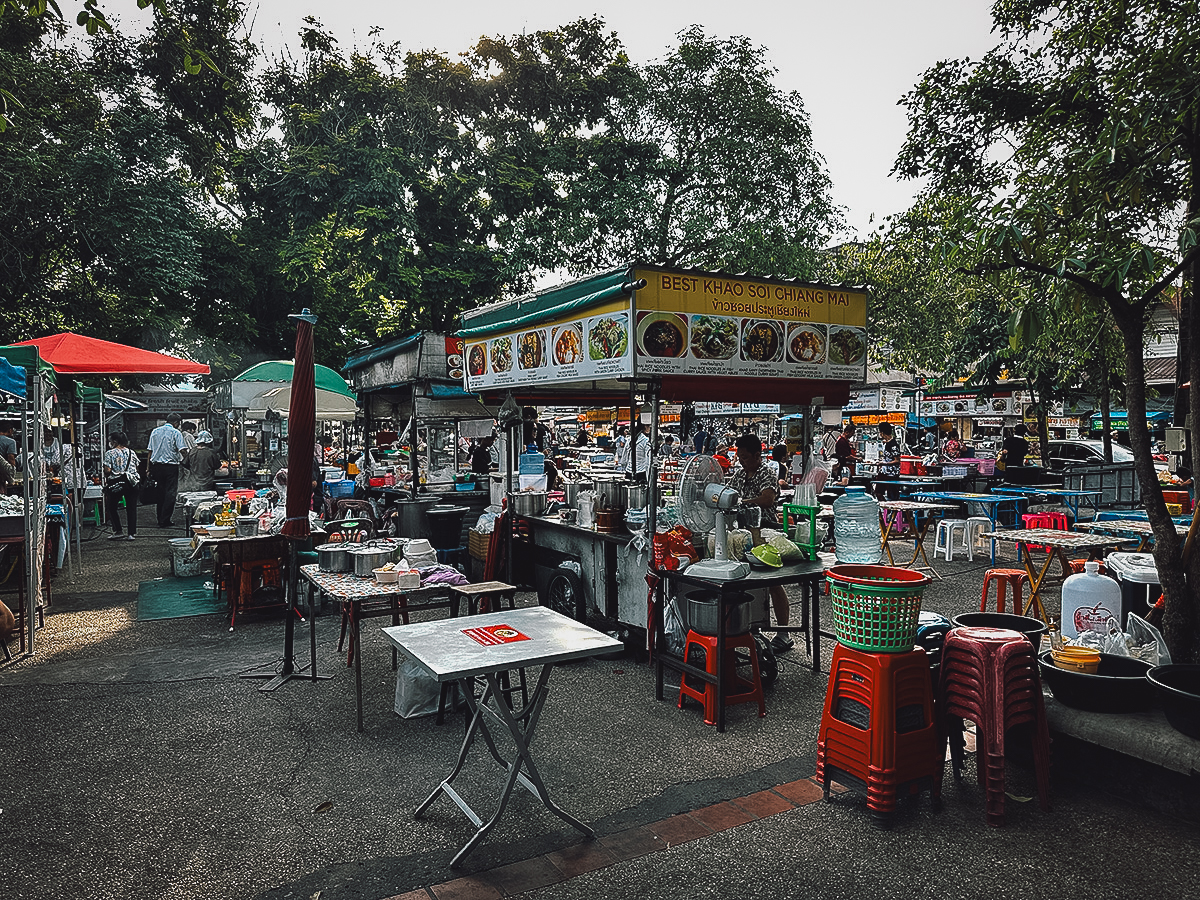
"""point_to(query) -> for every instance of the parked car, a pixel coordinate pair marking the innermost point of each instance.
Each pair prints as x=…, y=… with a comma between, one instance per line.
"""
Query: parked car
x=1065, y=454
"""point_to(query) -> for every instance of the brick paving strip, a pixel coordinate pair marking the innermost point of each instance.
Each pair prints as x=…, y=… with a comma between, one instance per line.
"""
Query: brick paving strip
x=587, y=856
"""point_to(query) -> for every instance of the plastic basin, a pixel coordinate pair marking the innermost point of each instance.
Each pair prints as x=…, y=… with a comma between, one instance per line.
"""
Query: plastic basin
x=1032, y=628
x=1178, y=688
x=1119, y=685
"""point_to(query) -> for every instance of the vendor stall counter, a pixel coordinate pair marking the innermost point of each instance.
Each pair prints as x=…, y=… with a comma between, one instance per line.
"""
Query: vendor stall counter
x=611, y=574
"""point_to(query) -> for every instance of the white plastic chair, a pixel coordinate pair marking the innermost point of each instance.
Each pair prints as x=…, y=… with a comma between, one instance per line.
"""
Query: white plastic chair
x=944, y=539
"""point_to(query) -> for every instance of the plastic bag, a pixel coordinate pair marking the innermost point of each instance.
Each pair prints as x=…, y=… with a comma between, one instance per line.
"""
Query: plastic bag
x=417, y=692
x=737, y=542
x=1114, y=640
x=1146, y=642
x=673, y=631
x=788, y=552
x=486, y=523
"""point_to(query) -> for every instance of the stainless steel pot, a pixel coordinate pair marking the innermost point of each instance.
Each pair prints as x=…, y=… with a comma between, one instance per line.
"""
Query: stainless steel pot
x=528, y=503
x=334, y=557
x=704, y=612
x=634, y=496
x=368, y=558
x=571, y=491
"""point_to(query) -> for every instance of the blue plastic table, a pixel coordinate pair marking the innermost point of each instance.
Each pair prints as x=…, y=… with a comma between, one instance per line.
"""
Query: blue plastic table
x=1070, y=499
x=991, y=503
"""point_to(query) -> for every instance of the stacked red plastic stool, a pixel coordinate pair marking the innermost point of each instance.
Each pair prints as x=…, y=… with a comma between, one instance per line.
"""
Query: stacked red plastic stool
x=738, y=689
x=878, y=732
x=990, y=676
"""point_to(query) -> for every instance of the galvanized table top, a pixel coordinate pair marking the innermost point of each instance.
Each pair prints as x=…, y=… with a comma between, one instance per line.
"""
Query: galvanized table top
x=348, y=586
x=1053, y=537
x=1126, y=526
x=914, y=505
x=447, y=650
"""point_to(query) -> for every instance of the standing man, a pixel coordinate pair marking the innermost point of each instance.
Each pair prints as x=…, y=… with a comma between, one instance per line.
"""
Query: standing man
x=637, y=456
x=1015, y=447
x=844, y=453
x=167, y=450
x=8, y=444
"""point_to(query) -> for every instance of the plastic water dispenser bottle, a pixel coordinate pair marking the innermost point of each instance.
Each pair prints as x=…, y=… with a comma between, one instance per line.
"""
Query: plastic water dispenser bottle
x=856, y=530
x=1089, y=600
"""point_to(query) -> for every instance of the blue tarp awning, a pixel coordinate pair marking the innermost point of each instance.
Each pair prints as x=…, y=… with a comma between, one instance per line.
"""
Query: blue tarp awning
x=1120, y=418
x=12, y=379
x=448, y=391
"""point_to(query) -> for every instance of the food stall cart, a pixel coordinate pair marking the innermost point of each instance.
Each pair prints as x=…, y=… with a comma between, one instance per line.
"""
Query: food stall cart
x=258, y=401
x=27, y=385
x=657, y=333
x=415, y=382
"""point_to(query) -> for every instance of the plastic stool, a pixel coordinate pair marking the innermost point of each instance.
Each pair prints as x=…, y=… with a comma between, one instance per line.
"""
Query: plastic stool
x=878, y=732
x=946, y=530
x=1010, y=580
x=976, y=525
x=990, y=676
x=739, y=690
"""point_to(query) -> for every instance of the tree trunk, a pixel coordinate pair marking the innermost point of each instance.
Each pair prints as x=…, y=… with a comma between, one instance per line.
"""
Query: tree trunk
x=1179, y=613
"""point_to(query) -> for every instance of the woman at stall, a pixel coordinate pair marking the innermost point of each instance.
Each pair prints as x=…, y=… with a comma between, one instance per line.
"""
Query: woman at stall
x=758, y=485
x=953, y=447
x=120, y=483
x=202, y=464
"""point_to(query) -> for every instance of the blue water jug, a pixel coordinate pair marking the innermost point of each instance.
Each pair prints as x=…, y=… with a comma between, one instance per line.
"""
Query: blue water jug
x=856, y=531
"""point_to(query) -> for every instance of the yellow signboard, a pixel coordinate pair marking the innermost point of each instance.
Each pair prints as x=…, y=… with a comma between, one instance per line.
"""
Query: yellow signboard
x=698, y=324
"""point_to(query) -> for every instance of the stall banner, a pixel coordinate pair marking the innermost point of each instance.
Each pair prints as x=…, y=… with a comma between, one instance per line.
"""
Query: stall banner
x=454, y=357
x=713, y=325
x=969, y=406
x=592, y=346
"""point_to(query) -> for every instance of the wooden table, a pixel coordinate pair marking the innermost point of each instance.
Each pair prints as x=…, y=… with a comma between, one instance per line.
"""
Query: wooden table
x=493, y=644
x=915, y=508
x=1057, y=543
x=355, y=596
x=241, y=553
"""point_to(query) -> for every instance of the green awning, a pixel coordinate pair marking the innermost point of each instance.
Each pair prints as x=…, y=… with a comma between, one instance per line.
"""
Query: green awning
x=550, y=304
x=281, y=371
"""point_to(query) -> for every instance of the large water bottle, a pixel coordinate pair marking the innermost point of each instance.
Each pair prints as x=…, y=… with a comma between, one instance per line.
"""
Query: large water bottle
x=1089, y=600
x=856, y=531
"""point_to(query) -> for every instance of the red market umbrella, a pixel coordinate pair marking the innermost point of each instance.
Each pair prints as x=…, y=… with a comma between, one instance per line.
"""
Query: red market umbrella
x=74, y=354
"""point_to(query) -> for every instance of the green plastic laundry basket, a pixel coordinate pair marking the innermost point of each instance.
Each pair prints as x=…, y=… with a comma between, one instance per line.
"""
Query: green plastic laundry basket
x=876, y=608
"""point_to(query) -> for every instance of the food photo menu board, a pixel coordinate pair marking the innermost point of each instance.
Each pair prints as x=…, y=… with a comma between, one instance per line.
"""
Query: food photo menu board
x=593, y=346
x=712, y=325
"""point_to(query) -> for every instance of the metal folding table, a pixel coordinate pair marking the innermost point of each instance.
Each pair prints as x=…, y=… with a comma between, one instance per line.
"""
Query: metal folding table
x=1070, y=499
x=1056, y=542
x=918, y=509
x=354, y=593
x=807, y=575
x=486, y=646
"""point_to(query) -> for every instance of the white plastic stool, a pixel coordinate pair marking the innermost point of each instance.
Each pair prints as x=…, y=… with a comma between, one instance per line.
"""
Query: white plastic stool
x=976, y=525
x=944, y=539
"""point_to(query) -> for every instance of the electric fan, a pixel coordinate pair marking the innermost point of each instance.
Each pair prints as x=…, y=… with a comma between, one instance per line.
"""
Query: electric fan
x=704, y=501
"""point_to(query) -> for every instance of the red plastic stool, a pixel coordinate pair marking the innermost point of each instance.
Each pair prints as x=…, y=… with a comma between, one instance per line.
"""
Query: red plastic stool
x=878, y=733
x=1007, y=580
x=738, y=690
x=990, y=676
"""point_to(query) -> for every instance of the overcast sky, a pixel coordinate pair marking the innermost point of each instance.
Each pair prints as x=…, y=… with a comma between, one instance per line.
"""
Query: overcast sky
x=849, y=60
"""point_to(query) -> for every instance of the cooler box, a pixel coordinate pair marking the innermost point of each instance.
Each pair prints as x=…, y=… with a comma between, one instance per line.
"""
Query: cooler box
x=1138, y=577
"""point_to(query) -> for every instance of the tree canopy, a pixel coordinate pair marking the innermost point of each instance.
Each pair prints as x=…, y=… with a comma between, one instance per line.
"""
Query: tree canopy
x=1074, y=149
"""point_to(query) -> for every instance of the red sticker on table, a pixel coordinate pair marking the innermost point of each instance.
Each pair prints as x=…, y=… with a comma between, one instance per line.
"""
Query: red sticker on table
x=495, y=634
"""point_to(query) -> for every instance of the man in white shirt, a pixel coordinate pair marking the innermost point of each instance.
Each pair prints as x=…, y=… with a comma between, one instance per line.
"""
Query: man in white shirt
x=637, y=460
x=167, y=450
